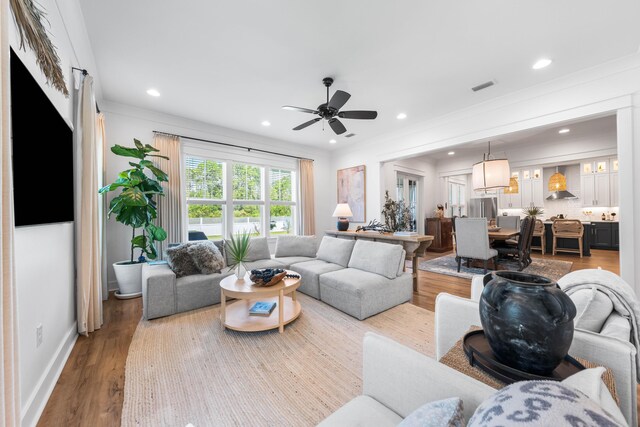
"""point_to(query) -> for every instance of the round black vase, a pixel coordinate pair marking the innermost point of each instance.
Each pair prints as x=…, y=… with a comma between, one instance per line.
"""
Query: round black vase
x=528, y=321
x=343, y=224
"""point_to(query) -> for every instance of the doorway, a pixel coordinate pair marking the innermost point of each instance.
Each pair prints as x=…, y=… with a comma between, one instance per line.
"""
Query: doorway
x=408, y=190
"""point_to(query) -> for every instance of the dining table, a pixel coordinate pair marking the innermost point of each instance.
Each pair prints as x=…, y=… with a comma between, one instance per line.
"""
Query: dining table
x=503, y=233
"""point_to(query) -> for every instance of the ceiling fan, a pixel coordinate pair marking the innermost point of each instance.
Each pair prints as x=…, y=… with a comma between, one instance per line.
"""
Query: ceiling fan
x=330, y=110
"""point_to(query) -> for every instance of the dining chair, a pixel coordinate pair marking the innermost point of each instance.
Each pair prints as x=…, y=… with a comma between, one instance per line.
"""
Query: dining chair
x=511, y=221
x=521, y=251
x=472, y=241
x=567, y=229
x=539, y=231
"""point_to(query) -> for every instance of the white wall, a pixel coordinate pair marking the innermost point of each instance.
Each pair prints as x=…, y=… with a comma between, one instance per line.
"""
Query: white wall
x=44, y=254
x=608, y=88
x=124, y=123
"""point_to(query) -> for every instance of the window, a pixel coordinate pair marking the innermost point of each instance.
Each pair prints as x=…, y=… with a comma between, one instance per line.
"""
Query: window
x=225, y=197
x=457, y=198
x=407, y=191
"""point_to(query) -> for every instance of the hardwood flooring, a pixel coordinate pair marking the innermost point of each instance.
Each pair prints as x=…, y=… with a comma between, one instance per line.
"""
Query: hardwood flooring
x=90, y=390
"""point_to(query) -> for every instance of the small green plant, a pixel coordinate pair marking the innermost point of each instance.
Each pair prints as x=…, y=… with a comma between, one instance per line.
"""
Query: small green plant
x=238, y=248
x=533, y=211
x=135, y=206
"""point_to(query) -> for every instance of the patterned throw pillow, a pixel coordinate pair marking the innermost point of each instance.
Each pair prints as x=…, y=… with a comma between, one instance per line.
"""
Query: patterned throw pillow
x=441, y=413
x=180, y=260
x=540, y=403
x=207, y=257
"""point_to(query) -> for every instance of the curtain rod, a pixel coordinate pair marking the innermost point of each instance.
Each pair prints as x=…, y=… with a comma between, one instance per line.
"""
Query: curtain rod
x=84, y=73
x=233, y=145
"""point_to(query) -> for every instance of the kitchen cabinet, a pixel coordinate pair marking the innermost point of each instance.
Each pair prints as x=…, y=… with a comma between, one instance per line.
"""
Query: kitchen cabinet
x=509, y=201
x=532, y=187
x=605, y=235
x=442, y=231
x=598, y=166
x=596, y=189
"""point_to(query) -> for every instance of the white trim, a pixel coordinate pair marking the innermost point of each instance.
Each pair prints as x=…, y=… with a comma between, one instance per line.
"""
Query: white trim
x=36, y=403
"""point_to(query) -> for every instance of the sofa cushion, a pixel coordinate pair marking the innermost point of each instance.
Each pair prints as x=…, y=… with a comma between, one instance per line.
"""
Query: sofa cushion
x=439, y=413
x=361, y=293
x=258, y=249
x=198, y=290
x=617, y=326
x=263, y=263
x=362, y=411
x=336, y=251
x=592, y=307
x=540, y=403
x=310, y=272
x=180, y=260
x=376, y=257
x=589, y=382
x=289, y=261
x=287, y=246
x=207, y=257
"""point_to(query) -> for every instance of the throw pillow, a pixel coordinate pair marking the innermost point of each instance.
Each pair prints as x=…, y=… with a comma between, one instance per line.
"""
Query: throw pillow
x=592, y=307
x=207, y=257
x=441, y=413
x=180, y=260
x=296, y=246
x=258, y=249
x=376, y=257
x=589, y=381
x=336, y=251
x=540, y=403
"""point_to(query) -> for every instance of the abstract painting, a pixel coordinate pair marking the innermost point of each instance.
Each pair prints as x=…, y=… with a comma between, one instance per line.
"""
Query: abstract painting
x=352, y=190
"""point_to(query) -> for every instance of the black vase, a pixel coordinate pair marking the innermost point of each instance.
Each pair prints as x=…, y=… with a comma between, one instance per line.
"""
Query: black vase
x=528, y=321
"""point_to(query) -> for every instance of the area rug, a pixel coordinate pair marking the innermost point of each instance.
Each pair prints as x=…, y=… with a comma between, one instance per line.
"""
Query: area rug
x=553, y=269
x=185, y=369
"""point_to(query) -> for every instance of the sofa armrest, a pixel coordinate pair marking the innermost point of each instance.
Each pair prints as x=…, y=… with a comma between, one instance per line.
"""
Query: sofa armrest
x=403, y=379
x=454, y=317
x=617, y=355
x=477, y=286
x=158, y=291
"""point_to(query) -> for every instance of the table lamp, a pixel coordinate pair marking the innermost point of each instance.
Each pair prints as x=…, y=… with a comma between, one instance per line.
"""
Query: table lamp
x=342, y=212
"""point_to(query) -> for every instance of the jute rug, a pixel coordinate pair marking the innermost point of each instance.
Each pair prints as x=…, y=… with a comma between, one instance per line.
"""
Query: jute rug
x=553, y=269
x=185, y=369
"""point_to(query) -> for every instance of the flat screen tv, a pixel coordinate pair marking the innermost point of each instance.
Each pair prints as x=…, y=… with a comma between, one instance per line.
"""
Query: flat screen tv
x=42, y=145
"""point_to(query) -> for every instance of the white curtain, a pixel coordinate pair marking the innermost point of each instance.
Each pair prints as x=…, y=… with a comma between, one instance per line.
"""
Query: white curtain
x=101, y=151
x=9, y=382
x=170, y=207
x=307, y=198
x=88, y=242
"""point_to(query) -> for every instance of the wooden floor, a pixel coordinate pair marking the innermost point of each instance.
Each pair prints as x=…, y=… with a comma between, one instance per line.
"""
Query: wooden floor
x=90, y=390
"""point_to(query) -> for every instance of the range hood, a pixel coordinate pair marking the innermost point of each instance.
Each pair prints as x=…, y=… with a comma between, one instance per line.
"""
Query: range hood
x=559, y=195
x=558, y=187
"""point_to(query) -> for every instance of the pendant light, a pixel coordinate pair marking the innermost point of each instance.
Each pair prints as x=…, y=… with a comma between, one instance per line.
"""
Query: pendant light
x=513, y=187
x=491, y=174
x=557, y=182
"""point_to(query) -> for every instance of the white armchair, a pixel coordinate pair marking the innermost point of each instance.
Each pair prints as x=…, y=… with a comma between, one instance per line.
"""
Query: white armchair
x=472, y=241
x=455, y=315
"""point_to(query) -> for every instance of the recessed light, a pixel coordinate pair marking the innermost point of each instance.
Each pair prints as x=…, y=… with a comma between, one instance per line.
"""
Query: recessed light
x=332, y=141
x=266, y=123
x=541, y=63
x=565, y=130
x=401, y=116
x=451, y=153
x=153, y=92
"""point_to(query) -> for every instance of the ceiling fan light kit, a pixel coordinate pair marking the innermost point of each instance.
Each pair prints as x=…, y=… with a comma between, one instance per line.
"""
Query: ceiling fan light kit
x=330, y=110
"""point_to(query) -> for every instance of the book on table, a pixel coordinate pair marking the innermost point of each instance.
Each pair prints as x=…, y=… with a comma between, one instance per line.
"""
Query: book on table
x=262, y=308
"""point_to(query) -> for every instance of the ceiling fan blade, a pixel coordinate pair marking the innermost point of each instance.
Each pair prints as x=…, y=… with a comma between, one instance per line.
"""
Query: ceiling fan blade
x=337, y=126
x=338, y=100
x=358, y=114
x=300, y=109
x=305, y=124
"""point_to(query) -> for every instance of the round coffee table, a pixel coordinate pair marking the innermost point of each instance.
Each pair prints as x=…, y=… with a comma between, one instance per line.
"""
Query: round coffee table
x=236, y=314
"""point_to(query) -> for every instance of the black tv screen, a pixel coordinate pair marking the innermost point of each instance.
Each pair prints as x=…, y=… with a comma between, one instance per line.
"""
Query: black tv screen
x=42, y=153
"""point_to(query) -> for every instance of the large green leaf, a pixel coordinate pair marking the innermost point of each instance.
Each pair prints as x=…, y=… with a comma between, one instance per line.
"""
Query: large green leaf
x=139, y=144
x=133, y=216
x=137, y=175
x=127, y=152
x=151, y=186
x=139, y=241
x=161, y=175
x=149, y=148
x=120, y=182
x=156, y=233
x=158, y=155
x=133, y=197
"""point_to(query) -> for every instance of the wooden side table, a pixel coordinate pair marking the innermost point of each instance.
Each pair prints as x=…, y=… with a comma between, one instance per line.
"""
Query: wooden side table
x=236, y=314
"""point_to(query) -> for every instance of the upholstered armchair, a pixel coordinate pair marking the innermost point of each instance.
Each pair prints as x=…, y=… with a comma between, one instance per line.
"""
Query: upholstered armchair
x=472, y=241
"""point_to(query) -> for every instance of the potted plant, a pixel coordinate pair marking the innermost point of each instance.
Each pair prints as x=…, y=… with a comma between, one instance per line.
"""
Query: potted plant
x=397, y=215
x=238, y=249
x=135, y=206
x=534, y=211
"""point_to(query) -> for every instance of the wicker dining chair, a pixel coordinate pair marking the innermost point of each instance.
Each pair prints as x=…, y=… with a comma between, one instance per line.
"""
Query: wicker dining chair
x=567, y=229
x=539, y=231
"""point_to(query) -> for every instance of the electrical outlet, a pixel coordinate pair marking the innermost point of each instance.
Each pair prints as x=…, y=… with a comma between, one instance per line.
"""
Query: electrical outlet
x=38, y=335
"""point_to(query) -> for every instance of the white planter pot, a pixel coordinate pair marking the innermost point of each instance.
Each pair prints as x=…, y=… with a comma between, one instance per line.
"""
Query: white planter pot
x=129, y=278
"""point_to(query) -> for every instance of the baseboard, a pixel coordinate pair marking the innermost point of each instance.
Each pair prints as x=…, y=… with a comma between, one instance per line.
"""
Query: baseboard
x=38, y=400
x=113, y=286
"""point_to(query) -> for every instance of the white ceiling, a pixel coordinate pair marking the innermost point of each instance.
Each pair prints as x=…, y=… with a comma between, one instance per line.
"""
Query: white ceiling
x=235, y=63
x=540, y=136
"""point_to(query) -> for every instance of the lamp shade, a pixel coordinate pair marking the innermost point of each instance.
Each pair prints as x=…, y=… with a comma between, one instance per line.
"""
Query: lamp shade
x=491, y=174
x=557, y=182
x=342, y=211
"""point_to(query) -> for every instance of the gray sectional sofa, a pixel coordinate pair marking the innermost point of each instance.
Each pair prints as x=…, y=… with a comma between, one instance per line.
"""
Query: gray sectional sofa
x=360, y=278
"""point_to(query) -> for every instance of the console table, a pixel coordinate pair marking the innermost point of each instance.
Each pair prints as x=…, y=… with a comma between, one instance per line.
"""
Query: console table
x=415, y=246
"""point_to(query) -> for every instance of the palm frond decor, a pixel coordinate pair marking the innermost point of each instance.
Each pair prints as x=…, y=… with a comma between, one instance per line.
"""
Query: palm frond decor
x=30, y=22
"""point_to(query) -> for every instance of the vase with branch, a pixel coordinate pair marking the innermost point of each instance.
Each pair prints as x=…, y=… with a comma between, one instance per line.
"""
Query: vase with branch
x=397, y=215
x=136, y=206
x=238, y=249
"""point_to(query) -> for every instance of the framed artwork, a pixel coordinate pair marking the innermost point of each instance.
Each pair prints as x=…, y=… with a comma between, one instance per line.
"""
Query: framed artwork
x=352, y=190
